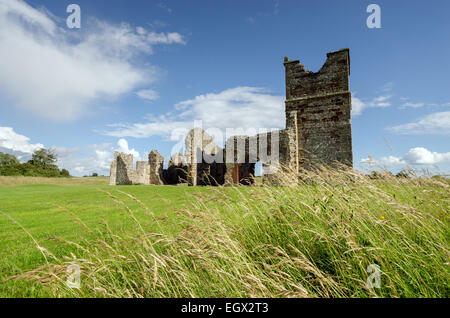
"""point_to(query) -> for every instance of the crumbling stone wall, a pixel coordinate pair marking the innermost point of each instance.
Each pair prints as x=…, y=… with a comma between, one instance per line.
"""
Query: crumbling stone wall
x=322, y=103
x=156, y=162
x=318, y=131
x=204, y=159
x=146, y=173
x=121, y=169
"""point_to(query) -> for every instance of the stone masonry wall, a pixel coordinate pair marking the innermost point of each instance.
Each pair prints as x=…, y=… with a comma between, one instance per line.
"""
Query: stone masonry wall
x=156, y=162
x=322, y=104
x=318, y=131
x=146, y=173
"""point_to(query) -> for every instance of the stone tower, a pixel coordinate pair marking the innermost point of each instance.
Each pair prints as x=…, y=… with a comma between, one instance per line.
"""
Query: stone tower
x=319, y=106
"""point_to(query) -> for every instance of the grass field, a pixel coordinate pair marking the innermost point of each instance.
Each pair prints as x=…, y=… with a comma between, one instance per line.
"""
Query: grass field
x=312, y=240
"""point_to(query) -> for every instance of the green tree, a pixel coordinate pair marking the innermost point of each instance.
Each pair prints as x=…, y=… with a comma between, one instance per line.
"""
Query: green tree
x=65, y=173
x=42, y=164
x=44, y=158
x=7, y=159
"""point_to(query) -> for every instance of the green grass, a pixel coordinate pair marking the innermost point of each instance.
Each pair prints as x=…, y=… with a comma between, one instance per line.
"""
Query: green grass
x=48, y=211
x=311, y=240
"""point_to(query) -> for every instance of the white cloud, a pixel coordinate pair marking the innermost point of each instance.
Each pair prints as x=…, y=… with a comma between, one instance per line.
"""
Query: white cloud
x=29, y=14
x=85, y=161
x=422, y=156
x=413, y=105
x=389, y=161
x=79, y=161
x=165, y=38
x=123, y=147
x=359, y=105
x=148, y=94
x=415, y=156
x=93, y=158
x=58, y=74
x=435, y=123
x=10, y=140
x=421, y=104
x=76, y=160
x=239, y=107
x=163, y=127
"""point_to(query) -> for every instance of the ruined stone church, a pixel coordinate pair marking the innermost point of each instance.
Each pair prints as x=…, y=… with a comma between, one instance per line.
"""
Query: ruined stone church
x=318, y=131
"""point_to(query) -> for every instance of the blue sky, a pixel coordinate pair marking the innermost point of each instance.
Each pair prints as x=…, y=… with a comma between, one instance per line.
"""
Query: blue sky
x=135, y=72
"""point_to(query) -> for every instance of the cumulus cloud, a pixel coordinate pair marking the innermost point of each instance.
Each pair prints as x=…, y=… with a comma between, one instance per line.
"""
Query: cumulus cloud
x=435, y=123
x=422, y=156
x=86, y=160
x=390, y=161
x=92, y=158
x=415, y=156
x=17, y=143
x=357, y=106
x=123, y=147
x=58, y=74
x=239, y=107
x=79, y=161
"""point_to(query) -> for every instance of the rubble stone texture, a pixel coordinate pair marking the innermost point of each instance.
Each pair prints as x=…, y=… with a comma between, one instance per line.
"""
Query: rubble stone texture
x=156, y=162
x=318, y=131
x=322, y=103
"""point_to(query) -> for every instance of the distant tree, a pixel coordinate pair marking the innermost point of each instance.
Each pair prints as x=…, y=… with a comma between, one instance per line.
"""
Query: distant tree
x=7, y=159
x=95, y=174
x=42, y=164
x=9, y=165
x=44, y=158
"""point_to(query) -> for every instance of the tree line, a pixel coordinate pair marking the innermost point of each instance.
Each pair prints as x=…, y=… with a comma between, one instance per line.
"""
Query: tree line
x=42, y=164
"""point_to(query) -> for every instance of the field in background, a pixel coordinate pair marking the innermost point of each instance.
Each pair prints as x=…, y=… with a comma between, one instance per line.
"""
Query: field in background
x=312, y=240
x=20, y=180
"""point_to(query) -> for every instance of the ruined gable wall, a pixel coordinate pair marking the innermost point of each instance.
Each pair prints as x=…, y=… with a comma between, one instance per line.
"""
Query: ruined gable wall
x=155, y=164
x=146, y=173
x=261, y=148
x=113, y=173
x=142, y=175
x=123, y=164
x=199, y=144
x=322, y=103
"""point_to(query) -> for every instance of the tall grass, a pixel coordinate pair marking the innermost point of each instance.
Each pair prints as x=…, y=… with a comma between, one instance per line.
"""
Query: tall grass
x=315, y=239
